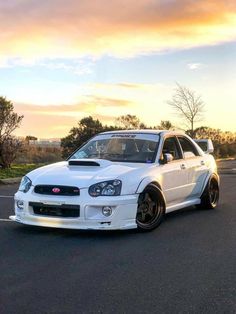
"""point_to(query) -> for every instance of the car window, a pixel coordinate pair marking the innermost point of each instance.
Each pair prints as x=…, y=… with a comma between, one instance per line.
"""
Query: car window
x=203, y=145
x=188, y=148
x=171, y=147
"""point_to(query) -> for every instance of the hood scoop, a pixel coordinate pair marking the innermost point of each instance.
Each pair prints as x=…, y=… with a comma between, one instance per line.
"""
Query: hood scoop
x=83, y=163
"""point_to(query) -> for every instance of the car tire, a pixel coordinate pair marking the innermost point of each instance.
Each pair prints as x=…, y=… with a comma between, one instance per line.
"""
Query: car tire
x=210, y=196
x=151, y=208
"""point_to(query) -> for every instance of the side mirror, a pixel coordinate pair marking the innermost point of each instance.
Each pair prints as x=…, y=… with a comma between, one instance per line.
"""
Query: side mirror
x=206, y=145
x=167, y=158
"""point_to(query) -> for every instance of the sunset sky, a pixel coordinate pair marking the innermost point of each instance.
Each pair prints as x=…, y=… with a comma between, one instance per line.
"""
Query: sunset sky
x=63, y=60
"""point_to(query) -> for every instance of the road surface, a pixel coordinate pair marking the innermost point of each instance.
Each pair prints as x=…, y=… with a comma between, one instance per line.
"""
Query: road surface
x=187, y=265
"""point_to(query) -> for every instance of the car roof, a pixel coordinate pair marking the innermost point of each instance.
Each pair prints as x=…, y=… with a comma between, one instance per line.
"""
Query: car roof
x=145, y=131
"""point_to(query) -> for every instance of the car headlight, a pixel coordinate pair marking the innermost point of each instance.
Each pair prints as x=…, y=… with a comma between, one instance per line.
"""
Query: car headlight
x=25, y=184
x=106, y=188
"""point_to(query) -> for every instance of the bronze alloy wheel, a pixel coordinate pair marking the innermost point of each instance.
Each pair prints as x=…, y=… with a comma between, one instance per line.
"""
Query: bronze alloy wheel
x=151, y=208
x=210, y=197
x=213, y=192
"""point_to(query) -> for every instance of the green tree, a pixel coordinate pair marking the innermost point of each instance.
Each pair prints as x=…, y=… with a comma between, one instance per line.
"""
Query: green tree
x=224, y=142
x=128, y=122
x=188, y=105
x=9, y=149
x=87, y=127
x=29, y=138
x=165, y=125
x=9, y=121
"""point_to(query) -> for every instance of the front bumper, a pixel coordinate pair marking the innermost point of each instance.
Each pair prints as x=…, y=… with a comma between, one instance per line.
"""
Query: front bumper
x=124, y=209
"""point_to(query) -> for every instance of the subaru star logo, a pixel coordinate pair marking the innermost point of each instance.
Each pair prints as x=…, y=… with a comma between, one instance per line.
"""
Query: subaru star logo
x=56, y=190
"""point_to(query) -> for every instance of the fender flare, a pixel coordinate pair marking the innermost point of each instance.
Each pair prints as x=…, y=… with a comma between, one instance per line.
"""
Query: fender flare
x=210, y=175
x=145, y=182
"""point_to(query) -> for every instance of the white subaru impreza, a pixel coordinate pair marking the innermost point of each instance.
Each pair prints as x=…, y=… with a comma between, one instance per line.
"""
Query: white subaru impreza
x=120, y=180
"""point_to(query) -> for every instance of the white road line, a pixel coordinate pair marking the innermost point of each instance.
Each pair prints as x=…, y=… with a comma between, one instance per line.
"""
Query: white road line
x=6, y=196
x=2, y=219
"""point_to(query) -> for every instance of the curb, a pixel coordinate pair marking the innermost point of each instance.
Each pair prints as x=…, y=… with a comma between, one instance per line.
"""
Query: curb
x=225, y=159
x=10, y=180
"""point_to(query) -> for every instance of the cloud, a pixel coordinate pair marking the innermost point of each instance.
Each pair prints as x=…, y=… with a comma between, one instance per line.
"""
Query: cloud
x=129, y=85
x=57, y=120
x=75, y=66
x=194, y=66
x=89, y=104
x=145, y=101
x=107, y=102
x=4, y=62
x=123, y=28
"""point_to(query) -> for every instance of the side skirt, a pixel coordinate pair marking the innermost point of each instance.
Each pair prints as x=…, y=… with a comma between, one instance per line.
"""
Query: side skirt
x=184, y=204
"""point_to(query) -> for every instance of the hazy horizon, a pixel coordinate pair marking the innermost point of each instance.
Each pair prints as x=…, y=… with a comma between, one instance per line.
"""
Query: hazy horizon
x=61, y=61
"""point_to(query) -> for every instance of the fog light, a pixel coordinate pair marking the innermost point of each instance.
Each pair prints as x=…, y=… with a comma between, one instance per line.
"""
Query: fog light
x=20, y=205
x=107, y=211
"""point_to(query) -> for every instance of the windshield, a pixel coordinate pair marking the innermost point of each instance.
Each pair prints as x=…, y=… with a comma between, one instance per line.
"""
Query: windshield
x=120, y=147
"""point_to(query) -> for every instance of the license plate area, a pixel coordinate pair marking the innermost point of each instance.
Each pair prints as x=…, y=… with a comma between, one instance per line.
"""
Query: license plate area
x=63, y=211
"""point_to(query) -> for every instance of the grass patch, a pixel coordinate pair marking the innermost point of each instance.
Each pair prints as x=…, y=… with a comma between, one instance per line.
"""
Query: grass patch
x=18, y=170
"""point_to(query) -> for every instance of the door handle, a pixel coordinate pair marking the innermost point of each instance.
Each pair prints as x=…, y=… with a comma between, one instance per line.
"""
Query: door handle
x=183, y=166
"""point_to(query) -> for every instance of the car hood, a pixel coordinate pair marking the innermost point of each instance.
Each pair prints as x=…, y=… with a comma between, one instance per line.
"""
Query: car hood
x=83, y=176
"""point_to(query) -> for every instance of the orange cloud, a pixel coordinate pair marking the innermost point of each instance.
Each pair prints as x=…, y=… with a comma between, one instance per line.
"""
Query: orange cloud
x=88, y=105
x=57, y=120
x=52, y=125
x=120, y=27
x=104, y=104
x=129, y=85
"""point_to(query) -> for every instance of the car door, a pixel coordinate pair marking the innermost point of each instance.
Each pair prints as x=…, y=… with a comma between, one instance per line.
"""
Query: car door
x=197, y=169
x=175, y=173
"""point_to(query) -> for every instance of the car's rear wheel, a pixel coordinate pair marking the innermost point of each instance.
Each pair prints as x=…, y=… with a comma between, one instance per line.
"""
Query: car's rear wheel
x=210, y=197
x=151, y=208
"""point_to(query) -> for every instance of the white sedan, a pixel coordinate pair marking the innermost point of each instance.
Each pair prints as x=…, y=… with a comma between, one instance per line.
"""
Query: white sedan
x=120, y=180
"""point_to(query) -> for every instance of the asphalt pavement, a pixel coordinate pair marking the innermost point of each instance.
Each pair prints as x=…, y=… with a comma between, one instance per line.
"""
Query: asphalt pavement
x=187, y=265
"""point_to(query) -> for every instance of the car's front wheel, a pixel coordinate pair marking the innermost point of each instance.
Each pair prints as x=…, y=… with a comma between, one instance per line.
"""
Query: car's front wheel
x=151, y=208
x=210, y=197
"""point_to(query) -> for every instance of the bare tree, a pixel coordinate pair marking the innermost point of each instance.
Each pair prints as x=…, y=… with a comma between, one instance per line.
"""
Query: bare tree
x=188, y=105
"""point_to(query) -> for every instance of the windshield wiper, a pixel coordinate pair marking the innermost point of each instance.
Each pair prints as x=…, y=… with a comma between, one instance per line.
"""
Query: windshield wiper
x=111, y=154
x=94, y=155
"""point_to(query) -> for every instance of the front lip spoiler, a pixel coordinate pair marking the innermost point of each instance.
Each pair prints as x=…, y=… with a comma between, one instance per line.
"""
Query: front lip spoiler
x=14, y=218
x=103, y=225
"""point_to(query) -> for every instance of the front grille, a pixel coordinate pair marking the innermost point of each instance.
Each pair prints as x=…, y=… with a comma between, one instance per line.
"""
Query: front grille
x=67, y=211
x=57, y=190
